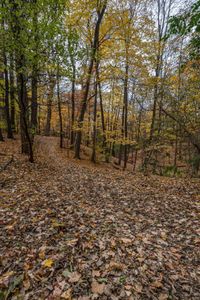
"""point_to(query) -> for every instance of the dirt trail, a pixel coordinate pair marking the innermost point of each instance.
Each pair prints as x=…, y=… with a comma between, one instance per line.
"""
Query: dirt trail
x=74, y=231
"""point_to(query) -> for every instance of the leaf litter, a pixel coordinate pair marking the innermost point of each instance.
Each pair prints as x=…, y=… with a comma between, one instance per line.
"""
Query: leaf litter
x=76, y=231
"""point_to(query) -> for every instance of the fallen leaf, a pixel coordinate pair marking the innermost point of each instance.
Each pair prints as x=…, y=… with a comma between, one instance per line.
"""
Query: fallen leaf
x=115, y=266
x=72, y=243
x=163, y=296
x=157, y=284
x=97, y=288
x=67, y=295
x=74, y=277
x=126, y=240
x=138, y=288
x=96, y=273
x=47, y=263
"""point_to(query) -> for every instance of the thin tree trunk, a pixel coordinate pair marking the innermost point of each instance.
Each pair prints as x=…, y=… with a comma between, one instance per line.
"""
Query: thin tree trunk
x=49, y=106
x=73, y=107
x=59, y=110
x=176, y=150
x=152, y=129
x=1, y=136
x=23, y=103
x=122, y=135
x=84, y=102
x=34, y=80
x=126, y=113
x=12, y=94
x=94, y=138
x=7, y=106
x=137, y=140
x=104, y=144
x=34, y=104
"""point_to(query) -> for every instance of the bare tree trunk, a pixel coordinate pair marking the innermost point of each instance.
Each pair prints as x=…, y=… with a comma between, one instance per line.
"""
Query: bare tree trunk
x=94, y=138
x=1, y=136
x=7, y=106
x=34, y=104
x=59, y=110
x=87, y=87
x=126, y=112
x=104, y=144
x=12, y=94
x=163, y=15
x=34, y=81
x=121, y=145
x=137, y=140
x=73, y=106
x=154, y=102
x=49, y=106
x=176, y=150
x=27, y=147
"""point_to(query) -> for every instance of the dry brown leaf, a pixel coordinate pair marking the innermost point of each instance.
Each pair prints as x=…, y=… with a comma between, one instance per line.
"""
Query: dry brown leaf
x=138, y=288
x=74, y=277
x=126, y=241
x=67, y=295
x=157, y=284
x=96, y=273
x=72, y=243
x=97, y=288
x=115, y=266
x=128, y=287
x=163, y=296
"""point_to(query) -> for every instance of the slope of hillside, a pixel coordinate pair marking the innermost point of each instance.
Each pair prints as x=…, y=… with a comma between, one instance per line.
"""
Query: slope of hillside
x=71, y=230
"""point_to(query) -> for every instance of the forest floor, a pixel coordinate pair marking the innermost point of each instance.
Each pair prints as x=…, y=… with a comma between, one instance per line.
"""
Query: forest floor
x=71, y=230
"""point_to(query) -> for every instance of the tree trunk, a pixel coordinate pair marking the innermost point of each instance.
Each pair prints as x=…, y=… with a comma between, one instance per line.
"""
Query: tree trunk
x=87, y=87
x=94, y=138
x=12, y=94
x=1, y=136
x=7, y=106
x=27, y=147
x=34, y=104
x=122, y=135
x=59, y=110
x=26, y=142
x=73, y=106
x=49, y=106
x=34, y=80
x=126, y=113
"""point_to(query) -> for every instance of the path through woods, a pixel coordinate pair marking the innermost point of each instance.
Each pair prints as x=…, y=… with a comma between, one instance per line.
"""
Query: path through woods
x=76, y=231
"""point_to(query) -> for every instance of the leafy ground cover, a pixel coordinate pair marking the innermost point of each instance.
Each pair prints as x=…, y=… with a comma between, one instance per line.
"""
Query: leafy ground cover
x=71, y=230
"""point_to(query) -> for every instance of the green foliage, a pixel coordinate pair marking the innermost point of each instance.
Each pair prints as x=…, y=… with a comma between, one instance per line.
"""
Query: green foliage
x=170, y=171
x=188, y=23
x=195, y=164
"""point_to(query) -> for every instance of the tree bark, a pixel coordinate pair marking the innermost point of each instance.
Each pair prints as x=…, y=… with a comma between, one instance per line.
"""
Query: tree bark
x=49, y=106
x=1, y=136
x=59, y=110
x=34, y=80
x=126, y=112
x=7, y=106
x=12, y=93
x=16, y=27
x=87, y=87
x=94, y=138
x=73, y=106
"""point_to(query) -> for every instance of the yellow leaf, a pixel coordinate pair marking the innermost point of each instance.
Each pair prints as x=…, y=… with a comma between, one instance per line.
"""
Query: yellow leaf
x=47, y=263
